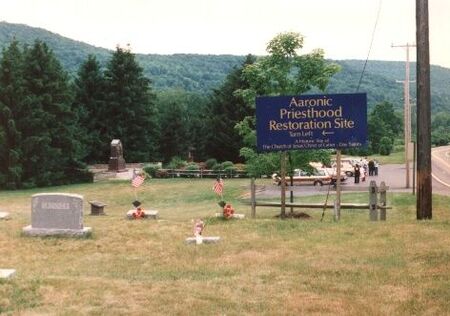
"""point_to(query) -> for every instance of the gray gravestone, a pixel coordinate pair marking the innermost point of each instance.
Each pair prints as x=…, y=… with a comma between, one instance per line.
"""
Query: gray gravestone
x=116, y=161
x=56, y=214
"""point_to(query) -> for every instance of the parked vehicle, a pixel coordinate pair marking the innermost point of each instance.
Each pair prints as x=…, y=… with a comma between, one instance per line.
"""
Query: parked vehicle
x=330, y=171
x=300, y=177
x=346, y=167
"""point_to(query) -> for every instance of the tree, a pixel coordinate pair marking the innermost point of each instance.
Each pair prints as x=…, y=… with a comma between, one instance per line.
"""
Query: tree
x=283, y=71
x=383, y=122
x=50, y=150
x=131, y=112
x=11, y=103
x=440, y=135
x=174, y=140
x=90, y=107
x=226, y=110
x=185, y=124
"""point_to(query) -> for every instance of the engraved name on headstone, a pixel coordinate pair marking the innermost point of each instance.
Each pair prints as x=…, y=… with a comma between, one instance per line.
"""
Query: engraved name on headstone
x=56, y=214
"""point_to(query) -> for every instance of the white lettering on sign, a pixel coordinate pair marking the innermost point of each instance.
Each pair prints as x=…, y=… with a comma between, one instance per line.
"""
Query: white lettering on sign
x=55, y=205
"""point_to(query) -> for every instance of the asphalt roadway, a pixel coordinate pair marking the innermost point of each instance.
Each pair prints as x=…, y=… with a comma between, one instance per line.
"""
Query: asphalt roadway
x=393, y=175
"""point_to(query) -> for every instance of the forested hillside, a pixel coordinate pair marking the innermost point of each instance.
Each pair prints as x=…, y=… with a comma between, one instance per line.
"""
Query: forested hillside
x=202, y=73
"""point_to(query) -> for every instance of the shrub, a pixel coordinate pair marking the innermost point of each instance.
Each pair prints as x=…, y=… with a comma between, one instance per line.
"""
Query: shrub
x=210, y=163
x=385, y=146
x=176, y=163
x=152, y=169
x=192, y=166
x=227, y=164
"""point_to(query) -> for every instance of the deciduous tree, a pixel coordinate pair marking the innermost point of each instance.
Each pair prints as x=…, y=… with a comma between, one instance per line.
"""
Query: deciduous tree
x=282, y=72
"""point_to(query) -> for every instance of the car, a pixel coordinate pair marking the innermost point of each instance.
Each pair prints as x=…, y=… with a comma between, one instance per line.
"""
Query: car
x=300, y=177
x=333, y=173
x=330, y=171
x=346, y=167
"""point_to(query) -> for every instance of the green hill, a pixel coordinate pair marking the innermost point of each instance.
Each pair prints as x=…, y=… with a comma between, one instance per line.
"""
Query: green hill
x=201, y=73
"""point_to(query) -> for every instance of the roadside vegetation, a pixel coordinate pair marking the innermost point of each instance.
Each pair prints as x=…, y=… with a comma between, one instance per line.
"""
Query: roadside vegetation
x=261, y=266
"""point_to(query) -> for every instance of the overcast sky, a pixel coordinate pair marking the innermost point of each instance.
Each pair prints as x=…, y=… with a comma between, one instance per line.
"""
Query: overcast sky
x=343, y=28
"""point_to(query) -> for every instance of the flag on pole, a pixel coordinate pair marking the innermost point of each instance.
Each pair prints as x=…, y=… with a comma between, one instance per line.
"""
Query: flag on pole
x=137, y=180
x=218, y=186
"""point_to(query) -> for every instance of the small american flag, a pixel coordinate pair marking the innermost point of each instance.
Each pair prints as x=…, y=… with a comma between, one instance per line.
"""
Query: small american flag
x=137, y=180
x=218, y=186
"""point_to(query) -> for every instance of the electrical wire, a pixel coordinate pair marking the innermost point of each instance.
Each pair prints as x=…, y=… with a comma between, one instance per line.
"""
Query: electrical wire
x=371, y=43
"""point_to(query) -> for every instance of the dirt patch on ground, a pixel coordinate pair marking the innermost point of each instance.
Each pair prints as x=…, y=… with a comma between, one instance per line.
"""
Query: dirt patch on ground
x=296, y=215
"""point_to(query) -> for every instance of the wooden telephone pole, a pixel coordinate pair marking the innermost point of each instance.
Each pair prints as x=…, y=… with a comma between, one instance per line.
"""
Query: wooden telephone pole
x=424, y=189
x=407, y=110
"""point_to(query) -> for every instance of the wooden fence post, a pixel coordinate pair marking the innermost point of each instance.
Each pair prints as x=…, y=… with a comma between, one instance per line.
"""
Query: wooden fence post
x=382, y=191
x=373, y=211
x=253, y=196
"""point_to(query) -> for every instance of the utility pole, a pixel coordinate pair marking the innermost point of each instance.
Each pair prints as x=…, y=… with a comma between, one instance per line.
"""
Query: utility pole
x=407, y=110
x=424, y=188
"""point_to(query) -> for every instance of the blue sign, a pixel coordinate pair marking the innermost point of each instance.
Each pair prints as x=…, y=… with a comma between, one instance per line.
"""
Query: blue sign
x=311, y=122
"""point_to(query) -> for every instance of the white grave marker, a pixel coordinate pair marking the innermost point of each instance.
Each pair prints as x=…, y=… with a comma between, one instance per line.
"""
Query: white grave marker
x=7, y=273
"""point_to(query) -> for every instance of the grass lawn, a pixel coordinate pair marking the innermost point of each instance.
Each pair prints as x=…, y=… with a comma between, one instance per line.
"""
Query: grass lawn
x=262, y=266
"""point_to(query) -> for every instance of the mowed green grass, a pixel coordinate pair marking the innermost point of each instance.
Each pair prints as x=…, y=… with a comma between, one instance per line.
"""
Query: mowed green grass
x=262, y=266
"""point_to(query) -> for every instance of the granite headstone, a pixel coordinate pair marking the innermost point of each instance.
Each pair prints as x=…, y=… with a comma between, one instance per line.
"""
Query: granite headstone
x=56, y=214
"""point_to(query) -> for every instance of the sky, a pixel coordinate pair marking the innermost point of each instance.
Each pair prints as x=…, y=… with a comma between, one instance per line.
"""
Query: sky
x=342, y=28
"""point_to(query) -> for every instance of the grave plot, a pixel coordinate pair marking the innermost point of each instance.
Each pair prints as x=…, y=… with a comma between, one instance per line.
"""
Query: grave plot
x=57, y=214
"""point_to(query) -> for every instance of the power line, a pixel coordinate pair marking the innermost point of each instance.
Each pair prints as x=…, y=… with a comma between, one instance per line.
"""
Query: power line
x=371, y=43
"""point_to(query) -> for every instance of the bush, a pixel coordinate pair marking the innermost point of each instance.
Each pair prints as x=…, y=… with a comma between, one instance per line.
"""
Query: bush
x=177, y=163
x=152, y=169
x=210, y=163
x=385, y=146
x=192, y=166
x=228, y=167
x=227, y=164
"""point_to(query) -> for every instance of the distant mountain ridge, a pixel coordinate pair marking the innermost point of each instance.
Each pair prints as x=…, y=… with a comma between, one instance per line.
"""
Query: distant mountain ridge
x=202, y=73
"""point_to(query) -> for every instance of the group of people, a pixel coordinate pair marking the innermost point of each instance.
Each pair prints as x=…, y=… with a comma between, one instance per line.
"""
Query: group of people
x=364, y=167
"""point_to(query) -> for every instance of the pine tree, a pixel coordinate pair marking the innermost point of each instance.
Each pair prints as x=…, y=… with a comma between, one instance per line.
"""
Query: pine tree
x=227, y=109
x=172, y=115
x=131, y=112
x=11, y=102
x=49, y=146
x=89, y=105
x=184, y=124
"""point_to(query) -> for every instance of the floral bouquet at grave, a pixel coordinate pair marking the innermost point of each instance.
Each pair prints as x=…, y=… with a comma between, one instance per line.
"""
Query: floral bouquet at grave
x=228, y=211
x=139, y=212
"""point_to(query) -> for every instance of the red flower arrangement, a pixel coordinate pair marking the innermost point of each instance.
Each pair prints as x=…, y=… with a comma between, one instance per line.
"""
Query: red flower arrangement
x=228, y=211
x=139, y=213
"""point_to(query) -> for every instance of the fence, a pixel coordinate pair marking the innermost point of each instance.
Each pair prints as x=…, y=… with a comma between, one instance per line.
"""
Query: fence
x=200, y=173
x=375, y=204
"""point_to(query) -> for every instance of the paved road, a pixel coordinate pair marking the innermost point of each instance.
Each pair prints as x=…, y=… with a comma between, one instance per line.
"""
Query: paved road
x=393, y=175
x=441, y=170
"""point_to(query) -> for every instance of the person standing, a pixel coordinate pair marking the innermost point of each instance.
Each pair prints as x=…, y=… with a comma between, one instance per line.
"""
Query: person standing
x=357, y=173
x=371, y=167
